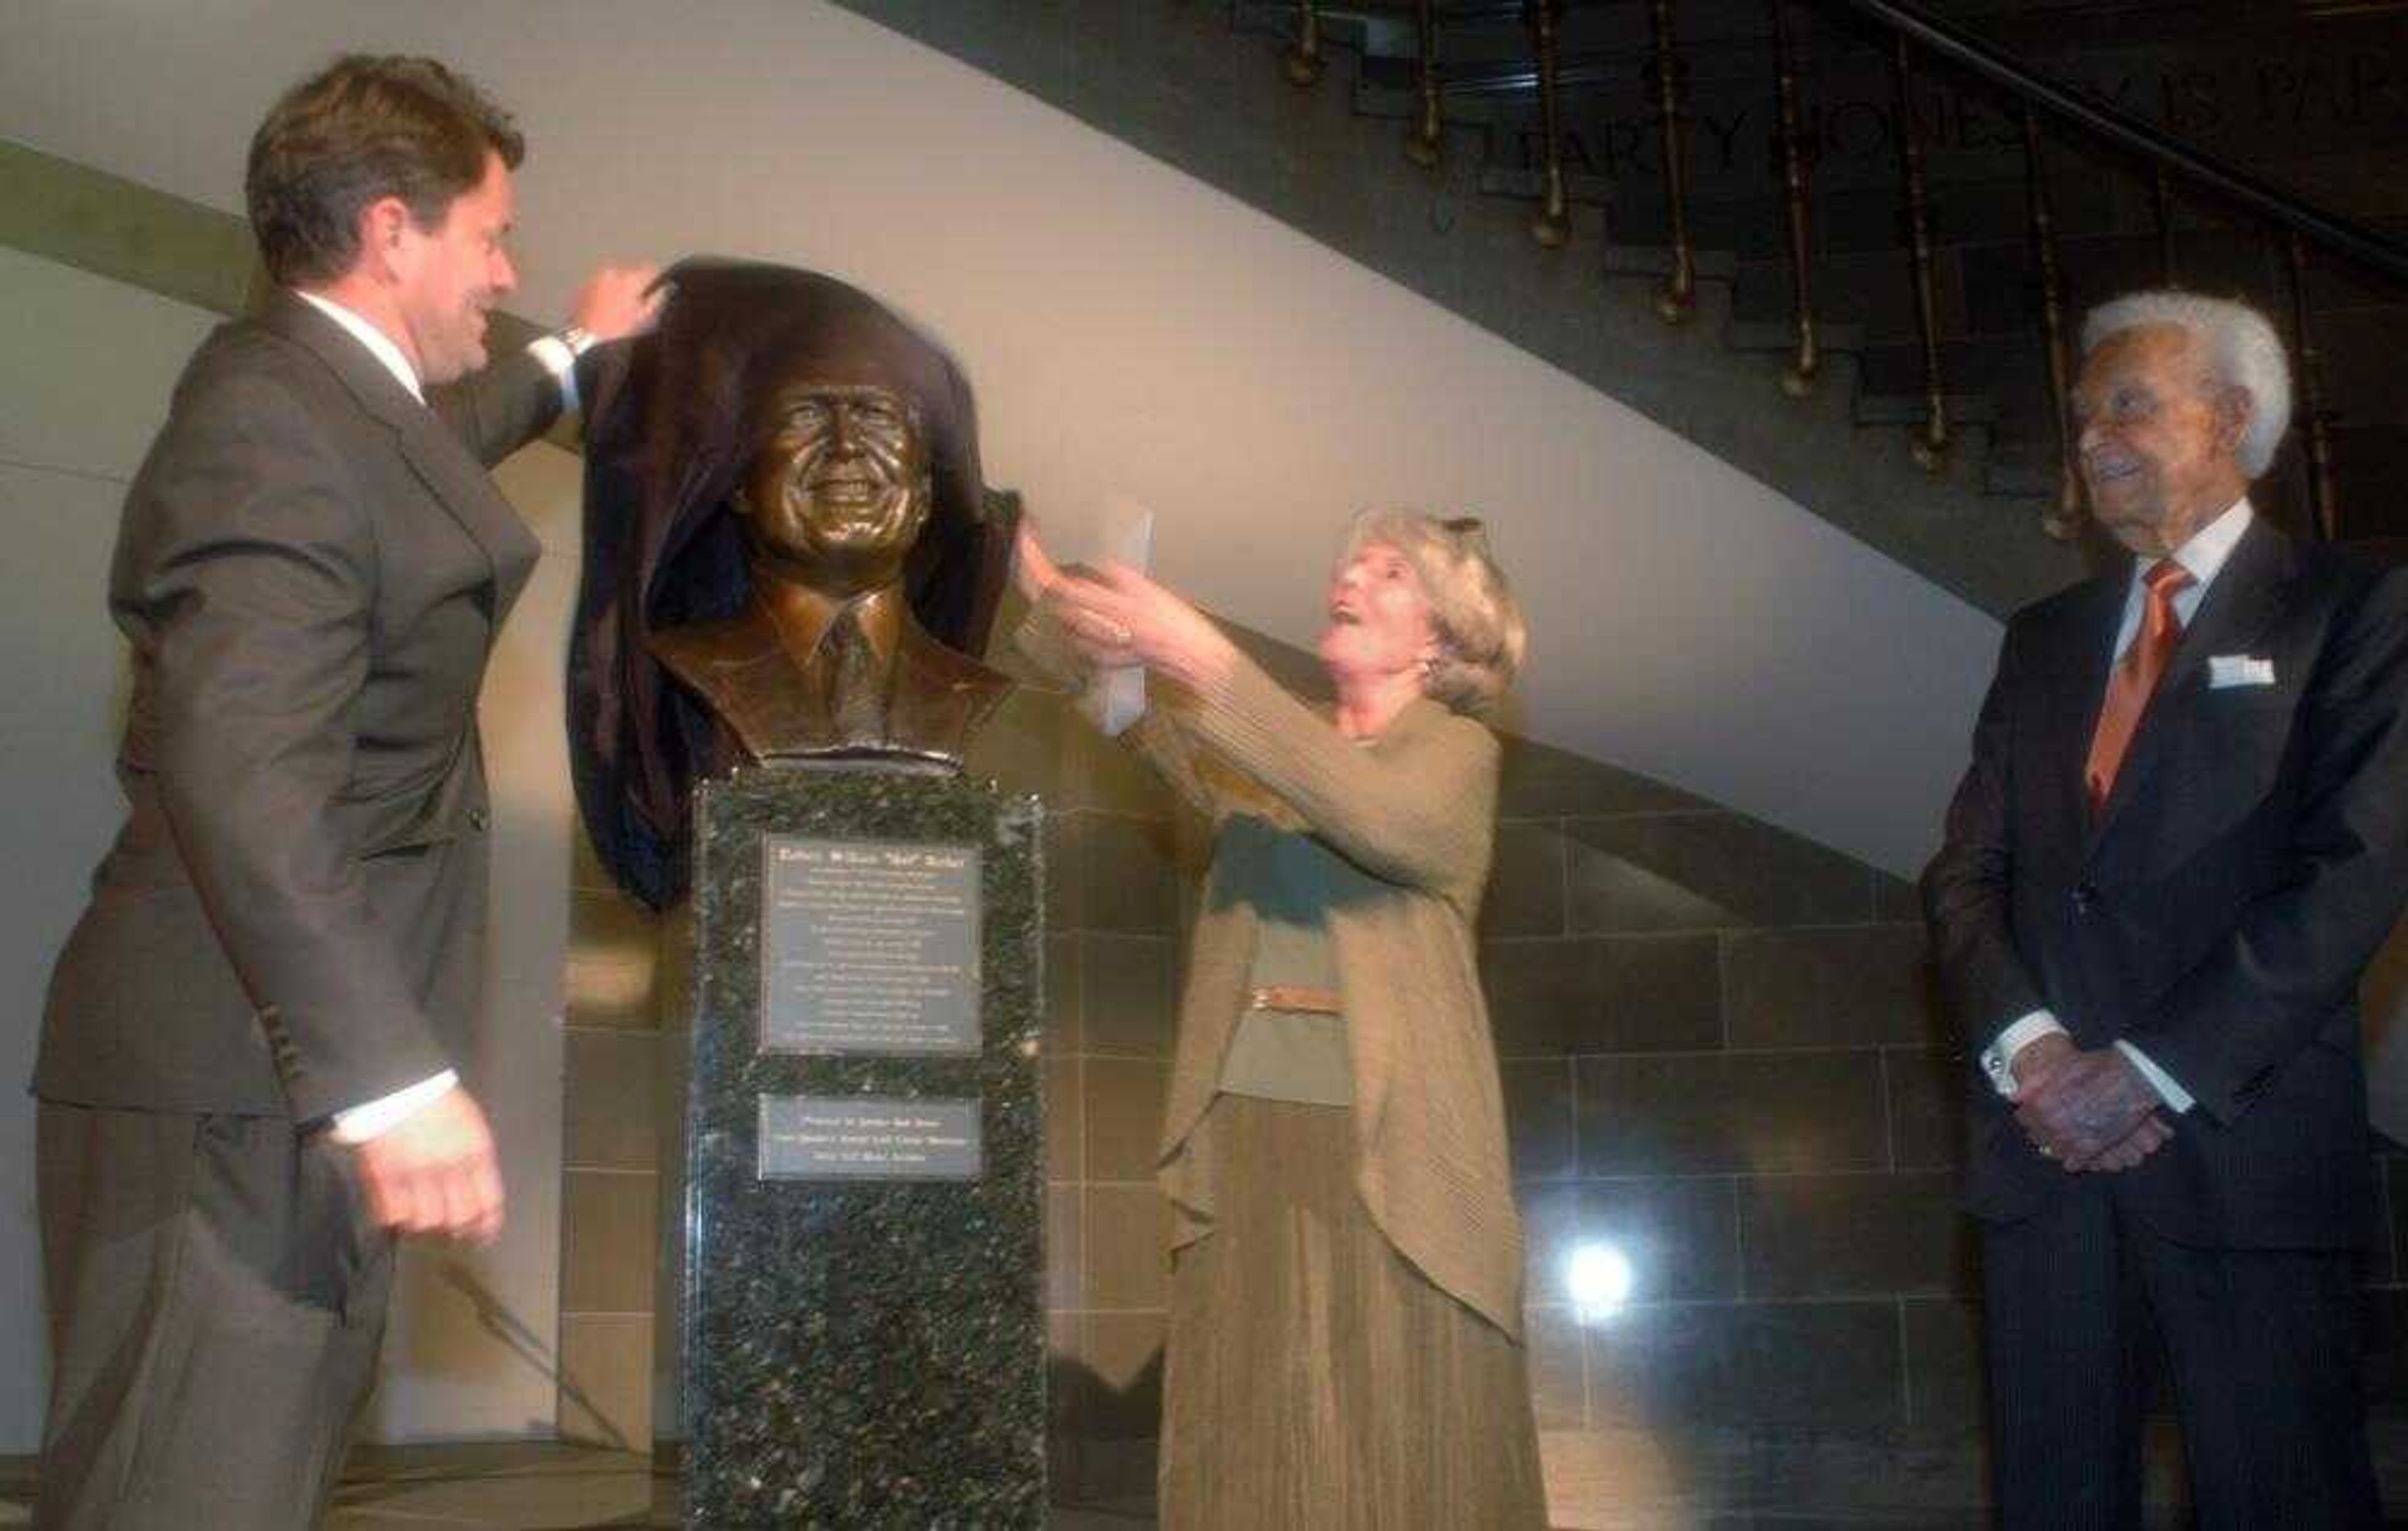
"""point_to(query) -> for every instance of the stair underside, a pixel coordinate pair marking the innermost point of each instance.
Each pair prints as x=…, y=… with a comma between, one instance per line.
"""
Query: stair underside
x=1172, y=80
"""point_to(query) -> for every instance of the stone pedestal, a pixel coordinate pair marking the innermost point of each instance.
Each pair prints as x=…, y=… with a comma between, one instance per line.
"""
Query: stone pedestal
x=864, y=1321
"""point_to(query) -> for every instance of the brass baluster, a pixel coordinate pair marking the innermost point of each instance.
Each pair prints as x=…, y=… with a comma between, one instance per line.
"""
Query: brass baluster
x=1552, y=224
x=2063, y=518
x=2324, y=508
x=1798, y=379
x=1304, y=60
x=1678, y=293
x=2163, y=194
x=1930, y=447
x=1425, y=143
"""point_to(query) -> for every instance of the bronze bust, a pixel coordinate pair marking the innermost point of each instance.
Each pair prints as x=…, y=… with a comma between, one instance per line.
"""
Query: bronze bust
x=790, y=554
x=827, y=657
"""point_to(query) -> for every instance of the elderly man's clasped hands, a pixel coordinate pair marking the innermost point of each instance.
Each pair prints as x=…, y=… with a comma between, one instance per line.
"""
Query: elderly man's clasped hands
x=2087, y=1108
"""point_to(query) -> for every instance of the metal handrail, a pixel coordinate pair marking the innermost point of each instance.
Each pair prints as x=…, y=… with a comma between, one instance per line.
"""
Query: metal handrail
x=2344, y=236
x=2356, y=241
x=1905, y=32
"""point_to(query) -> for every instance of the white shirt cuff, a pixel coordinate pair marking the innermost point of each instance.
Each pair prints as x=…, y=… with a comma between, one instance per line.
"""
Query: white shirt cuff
x=1998, y=1058
x=561, y=362
x=378, y=1117
x=2172, y=1094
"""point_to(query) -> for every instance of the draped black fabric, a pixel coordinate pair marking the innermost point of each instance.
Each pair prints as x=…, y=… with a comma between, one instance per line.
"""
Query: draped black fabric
x=668, y=419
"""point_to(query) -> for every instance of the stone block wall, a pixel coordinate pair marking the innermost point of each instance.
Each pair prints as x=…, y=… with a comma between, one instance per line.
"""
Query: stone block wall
x=1724, y=1076
x=1722, y=1062
x=623, y=1051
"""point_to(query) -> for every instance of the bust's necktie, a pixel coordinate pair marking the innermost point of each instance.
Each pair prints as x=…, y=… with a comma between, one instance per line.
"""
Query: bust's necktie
x=852, y=690
x=2135, y=678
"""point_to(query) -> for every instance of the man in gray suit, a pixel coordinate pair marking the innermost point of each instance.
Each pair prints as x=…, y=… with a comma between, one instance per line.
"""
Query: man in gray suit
x=246, y=1076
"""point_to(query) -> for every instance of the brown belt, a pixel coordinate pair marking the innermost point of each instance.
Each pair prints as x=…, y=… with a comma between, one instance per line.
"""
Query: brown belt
x=1298, y=1001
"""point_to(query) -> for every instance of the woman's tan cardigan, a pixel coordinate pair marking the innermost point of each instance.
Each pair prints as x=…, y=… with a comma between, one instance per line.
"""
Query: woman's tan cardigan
x=1417, y=811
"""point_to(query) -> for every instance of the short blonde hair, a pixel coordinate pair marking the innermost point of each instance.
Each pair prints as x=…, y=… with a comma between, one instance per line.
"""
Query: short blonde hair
x=1482, y=633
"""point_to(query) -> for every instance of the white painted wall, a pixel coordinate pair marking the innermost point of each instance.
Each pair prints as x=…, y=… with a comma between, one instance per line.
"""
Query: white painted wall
x=472, y=1350
x=86, y=366
x=1129, y=330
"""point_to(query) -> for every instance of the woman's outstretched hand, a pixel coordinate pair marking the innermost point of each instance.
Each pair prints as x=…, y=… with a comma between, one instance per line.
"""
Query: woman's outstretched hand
x=1117, y=617
x=1099, y=640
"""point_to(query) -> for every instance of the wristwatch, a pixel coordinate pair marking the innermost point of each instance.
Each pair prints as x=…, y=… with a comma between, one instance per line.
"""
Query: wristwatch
x=577, y=338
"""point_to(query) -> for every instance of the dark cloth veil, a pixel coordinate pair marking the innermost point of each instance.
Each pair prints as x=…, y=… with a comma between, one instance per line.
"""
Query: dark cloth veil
x=668, y=418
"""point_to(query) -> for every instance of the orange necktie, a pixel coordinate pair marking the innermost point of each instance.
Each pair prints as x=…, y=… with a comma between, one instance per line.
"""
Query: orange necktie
x=2136, y=676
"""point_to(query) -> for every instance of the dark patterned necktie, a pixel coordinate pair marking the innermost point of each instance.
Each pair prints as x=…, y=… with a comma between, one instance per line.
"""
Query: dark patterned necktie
x=853, y=689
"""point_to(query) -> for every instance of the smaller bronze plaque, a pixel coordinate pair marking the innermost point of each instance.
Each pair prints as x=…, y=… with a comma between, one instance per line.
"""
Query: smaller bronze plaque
x=870, y=1137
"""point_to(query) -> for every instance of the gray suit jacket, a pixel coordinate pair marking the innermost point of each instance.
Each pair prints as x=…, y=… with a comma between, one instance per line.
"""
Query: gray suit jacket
x=311, y=571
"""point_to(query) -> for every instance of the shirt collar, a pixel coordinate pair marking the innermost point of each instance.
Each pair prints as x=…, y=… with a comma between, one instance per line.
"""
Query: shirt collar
x=379, y=344
x=2204, y=555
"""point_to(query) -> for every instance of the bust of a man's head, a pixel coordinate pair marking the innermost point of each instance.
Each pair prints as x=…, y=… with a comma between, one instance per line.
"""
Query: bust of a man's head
x=791, y=551
x=838, y=486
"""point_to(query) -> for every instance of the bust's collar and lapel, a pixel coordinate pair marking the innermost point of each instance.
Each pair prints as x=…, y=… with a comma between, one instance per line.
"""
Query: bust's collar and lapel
x=439, y=459
x=809, y=615
x=934, y=697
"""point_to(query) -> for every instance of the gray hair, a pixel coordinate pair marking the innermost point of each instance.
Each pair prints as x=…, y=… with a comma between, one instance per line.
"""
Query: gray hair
x=2241, y=345
x=1482, y=633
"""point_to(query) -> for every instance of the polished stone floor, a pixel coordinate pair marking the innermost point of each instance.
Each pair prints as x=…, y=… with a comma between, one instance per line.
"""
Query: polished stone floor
x=514, y=1486
x=536, y=1486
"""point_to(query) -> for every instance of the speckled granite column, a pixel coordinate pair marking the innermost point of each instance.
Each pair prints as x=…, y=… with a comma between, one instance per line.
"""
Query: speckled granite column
x=869, y=1351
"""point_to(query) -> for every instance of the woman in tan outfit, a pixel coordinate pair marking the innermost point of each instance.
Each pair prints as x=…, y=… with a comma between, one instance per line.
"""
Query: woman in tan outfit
x=1345, y=1332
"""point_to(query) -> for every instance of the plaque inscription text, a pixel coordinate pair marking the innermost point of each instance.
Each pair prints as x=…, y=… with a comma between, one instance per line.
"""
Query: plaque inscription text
x=869, y=946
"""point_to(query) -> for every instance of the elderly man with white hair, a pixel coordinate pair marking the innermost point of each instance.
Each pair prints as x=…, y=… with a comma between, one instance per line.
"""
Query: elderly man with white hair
x=2182, y=835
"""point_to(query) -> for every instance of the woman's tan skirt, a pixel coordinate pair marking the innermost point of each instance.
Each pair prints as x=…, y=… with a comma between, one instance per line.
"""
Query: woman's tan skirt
x=1314, y=1377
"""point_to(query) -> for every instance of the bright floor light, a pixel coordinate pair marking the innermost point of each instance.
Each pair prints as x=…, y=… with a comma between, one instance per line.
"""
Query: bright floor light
x=1598, y=1278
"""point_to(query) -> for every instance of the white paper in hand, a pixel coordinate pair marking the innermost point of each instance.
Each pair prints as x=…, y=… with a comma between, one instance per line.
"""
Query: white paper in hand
x=1114, y=699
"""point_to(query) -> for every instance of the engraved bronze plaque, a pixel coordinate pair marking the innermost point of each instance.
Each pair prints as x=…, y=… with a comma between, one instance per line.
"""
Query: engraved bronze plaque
x=869, y=946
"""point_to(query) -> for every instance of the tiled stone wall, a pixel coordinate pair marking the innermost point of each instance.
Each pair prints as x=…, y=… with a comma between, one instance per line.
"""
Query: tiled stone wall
x=1721, y=1065
x=1718, y=1058
x=1721, y=1060
x=1114, y=902
x=619, y=1048
x=1118, y=870
x=1717, y=1049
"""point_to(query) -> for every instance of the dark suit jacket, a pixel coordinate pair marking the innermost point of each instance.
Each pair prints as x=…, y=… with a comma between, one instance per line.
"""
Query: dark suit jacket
x=309, y=573
x=2220, y=910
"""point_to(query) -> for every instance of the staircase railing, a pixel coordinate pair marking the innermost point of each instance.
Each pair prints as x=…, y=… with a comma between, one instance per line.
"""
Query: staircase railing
x=2045, y=107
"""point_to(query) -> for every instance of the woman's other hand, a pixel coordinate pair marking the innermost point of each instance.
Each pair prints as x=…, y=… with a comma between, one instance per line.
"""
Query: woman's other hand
x=1033, y=570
